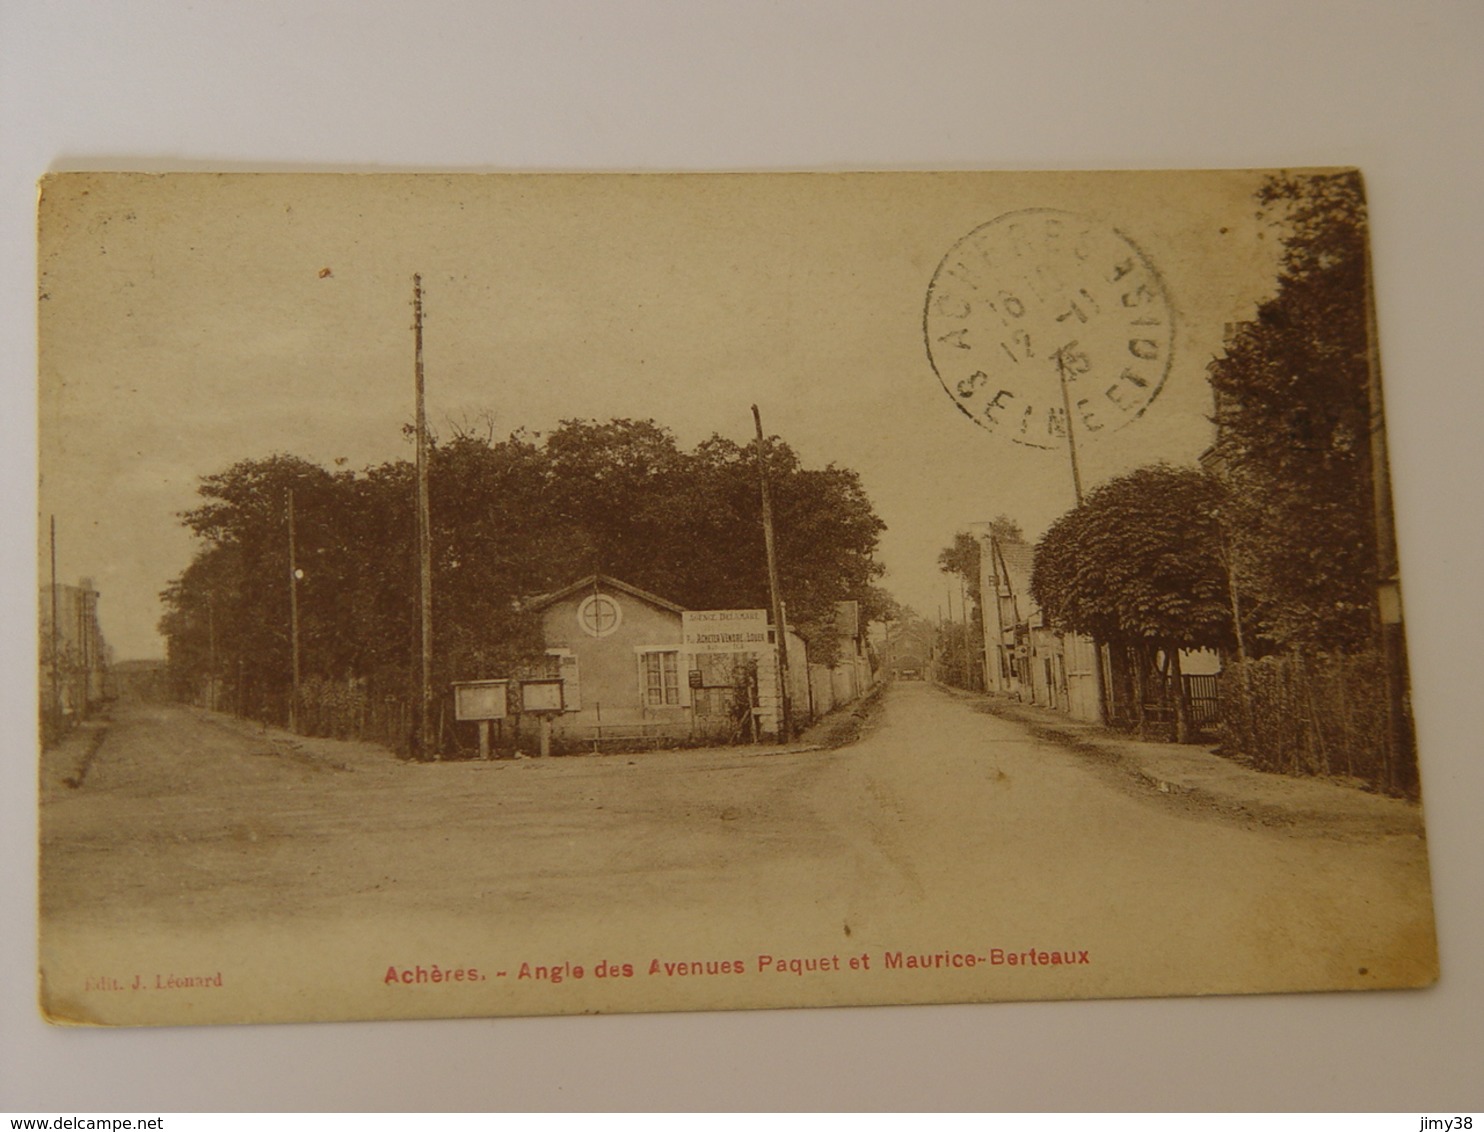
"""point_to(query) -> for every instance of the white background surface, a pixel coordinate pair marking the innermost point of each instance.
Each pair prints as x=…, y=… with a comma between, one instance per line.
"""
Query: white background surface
x=1395, y=89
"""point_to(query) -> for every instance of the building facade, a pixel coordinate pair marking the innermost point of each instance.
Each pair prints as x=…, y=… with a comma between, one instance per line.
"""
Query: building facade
x=637, y=668
x=1022, y=656
x=73, y=655
x=1069, y=671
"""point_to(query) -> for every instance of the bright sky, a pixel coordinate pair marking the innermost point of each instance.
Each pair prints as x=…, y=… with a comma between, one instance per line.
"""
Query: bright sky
x=192, y=321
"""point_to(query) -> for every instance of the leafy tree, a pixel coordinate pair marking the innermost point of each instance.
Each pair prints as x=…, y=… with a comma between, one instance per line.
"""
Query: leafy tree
x=957, y=649
x=496, y=538
x=231, y=607
x=826, y=529
x=879, y=606
x=961, y=559
x=610, y=487
x=188, y=624
x=827, y=533
x=1139, y=563
x=1293, y=418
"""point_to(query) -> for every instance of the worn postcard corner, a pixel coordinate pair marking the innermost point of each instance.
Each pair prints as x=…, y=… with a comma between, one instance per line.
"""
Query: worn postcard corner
x=521, y=594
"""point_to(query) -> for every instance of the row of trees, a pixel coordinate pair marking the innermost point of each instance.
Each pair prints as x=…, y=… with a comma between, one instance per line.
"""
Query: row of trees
x=511, y=518
x=1274, y=550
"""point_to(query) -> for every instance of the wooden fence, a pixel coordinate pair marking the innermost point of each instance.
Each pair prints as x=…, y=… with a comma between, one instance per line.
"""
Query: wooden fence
x=1317, y=715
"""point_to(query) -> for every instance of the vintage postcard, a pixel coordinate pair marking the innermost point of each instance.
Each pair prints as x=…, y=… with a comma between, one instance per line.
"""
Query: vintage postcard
x=554, y=594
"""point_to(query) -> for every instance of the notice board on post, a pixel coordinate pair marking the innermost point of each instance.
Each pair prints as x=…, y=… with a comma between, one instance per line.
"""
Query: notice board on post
x=481, y=699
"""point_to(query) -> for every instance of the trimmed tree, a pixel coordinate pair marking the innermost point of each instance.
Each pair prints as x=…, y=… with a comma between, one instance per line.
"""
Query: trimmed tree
x=1139, y=563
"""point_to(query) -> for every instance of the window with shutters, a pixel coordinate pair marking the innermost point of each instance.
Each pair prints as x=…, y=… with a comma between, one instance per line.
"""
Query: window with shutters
x=660, y=678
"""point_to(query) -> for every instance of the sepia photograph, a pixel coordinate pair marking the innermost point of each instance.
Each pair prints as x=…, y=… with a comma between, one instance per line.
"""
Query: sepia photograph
x=528, y=594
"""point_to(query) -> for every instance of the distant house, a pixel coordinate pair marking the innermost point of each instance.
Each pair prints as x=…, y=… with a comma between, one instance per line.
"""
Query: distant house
x=74, y=658
x=909, y=649
x=629, y=673
x=1022, y=655
x=141, y=680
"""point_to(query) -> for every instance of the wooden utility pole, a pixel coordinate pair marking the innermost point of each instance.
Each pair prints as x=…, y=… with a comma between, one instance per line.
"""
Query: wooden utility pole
x=210, y=654
x=1097, y=645
x=948, y=646
x=938, y=649
x=989, y=602
x=424, y=535
x=1066, y=402
x=780, y=628
x=963, y=611
x=293, y=616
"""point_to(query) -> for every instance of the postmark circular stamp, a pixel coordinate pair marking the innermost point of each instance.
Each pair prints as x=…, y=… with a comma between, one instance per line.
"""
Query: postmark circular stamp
x=1042, y=320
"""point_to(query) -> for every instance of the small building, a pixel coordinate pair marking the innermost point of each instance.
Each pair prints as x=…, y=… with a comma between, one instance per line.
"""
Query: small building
x=141, y=681
x=637, y=667
x=1022, y=655
x=909, y=649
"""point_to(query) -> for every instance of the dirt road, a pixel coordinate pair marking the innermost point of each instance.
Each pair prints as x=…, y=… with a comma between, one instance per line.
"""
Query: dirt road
x=309, y=869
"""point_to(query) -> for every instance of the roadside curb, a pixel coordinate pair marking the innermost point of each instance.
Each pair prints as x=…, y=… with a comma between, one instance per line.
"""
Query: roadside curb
x=1204, y=780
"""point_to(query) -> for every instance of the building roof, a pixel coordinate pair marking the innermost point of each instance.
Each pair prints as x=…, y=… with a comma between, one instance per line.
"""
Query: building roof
x=1019, y=557
x=598, y=582
x=915, y=632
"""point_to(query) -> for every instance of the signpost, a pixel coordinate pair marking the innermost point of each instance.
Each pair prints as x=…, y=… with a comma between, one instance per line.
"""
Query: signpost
x=712, y=631
x=543, y=699
x=481, y=701
x=724, y=630
x=774, y=590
